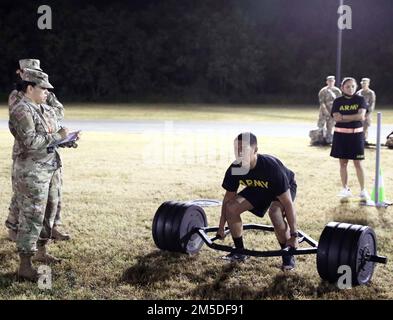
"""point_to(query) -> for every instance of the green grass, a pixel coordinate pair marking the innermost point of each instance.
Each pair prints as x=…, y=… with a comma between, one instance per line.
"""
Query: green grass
x=113, y=184
x=266, y=113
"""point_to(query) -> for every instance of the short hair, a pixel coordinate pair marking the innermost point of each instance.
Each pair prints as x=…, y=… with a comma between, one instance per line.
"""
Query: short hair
x=22, y=85
x=245, y=135
x=346, y=79
x=18, y=85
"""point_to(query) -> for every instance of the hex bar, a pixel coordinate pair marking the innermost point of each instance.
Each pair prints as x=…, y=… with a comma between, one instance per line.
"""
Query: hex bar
x=202, y=232
x=251, y=226
x=255, y=253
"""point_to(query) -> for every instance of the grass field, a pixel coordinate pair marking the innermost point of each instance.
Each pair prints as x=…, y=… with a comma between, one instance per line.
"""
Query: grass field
x=268, y=113
x=113, y=184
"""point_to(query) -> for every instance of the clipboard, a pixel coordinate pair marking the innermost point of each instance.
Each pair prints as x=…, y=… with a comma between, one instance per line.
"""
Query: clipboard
x=71, y=137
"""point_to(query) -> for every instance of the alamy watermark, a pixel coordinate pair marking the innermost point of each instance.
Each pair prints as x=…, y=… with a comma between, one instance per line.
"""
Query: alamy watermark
x=44, y=278
x=345, y=280
x=345, y=18
x=185, y=146
x=179, y=146
x=45, y=20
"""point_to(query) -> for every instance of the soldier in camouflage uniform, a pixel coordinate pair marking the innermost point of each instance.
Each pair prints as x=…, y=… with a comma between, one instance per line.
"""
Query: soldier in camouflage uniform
x=370, y=97
x=36, y=172
x=326, y=97
x=14, y=98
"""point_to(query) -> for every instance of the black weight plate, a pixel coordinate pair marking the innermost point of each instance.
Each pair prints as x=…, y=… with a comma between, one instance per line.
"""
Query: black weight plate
x=349, y=244
x=339, y=234
x=159, y=223
x=177, y=219
x=323, y=249
x=194, y=217
x=367, y=245
x=354, y=253
x=170, y=231
x=167, y=226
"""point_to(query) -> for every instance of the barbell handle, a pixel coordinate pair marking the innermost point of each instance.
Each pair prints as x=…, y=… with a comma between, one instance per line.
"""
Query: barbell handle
x=377, y=259
x=227, y=230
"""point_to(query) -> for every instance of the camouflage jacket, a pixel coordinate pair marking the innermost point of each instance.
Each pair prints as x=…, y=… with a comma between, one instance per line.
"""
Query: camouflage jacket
x=370, y=98
x=52, y=101
x=16, y=96
x=35, y=128
x=13, y=99
x=326, y=96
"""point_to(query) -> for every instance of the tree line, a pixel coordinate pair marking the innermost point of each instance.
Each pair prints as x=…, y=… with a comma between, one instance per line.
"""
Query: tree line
x=197, y=50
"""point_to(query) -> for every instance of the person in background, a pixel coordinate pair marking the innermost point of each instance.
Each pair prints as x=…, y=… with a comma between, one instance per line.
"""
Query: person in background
x=370, y=97
x=326, y=97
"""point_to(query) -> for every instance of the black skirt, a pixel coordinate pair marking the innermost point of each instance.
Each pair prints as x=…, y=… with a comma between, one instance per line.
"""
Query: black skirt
x=348, y=146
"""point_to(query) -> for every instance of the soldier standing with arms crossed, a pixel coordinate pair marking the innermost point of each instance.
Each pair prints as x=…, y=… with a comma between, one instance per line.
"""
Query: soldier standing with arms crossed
x=370, y=97
x=348, y=141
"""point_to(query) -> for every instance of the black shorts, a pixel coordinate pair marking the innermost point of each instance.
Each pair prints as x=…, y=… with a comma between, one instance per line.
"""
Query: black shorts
x=348, y=146
x=261, y=205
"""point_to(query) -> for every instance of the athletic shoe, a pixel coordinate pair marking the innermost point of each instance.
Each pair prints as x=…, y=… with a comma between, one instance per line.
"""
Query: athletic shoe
x=345, y=193
x=288, y=263
x=364, y=195
x=235, y=257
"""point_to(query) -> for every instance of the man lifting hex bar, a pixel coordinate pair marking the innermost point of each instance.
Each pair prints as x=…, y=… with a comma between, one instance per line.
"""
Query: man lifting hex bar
x=269, y=186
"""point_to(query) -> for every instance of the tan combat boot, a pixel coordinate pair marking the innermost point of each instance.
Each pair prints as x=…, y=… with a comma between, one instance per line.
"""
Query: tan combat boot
x=59, y=236
x=11, y=235
x=26, y=270
x=44, y=257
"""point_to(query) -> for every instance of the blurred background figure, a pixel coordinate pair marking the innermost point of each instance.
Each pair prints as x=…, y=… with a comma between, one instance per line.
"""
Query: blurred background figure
x=370, y=97
x=326, y=97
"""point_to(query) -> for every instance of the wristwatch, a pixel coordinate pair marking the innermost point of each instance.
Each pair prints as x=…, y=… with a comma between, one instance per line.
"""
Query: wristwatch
x=295, y=234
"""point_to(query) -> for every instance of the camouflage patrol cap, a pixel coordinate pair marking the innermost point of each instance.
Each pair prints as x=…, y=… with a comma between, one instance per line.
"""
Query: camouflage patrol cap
x=39, y=78
x=330, y=78
x=365, y=80
x=30, y=64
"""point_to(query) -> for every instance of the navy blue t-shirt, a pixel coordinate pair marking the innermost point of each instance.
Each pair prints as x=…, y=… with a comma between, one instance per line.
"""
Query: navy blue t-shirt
x=349, y=106
x=270, y=176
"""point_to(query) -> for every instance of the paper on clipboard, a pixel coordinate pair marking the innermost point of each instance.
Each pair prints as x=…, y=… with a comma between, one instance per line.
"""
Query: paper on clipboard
x=71, y=137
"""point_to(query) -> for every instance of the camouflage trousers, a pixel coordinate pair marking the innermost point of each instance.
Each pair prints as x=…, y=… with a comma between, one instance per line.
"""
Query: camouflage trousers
x=13, y=211
x=37, y=201
x=324, y=119
x=366, y=124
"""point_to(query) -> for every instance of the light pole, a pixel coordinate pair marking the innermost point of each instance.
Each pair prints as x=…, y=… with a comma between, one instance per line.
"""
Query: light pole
x=339, y=49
